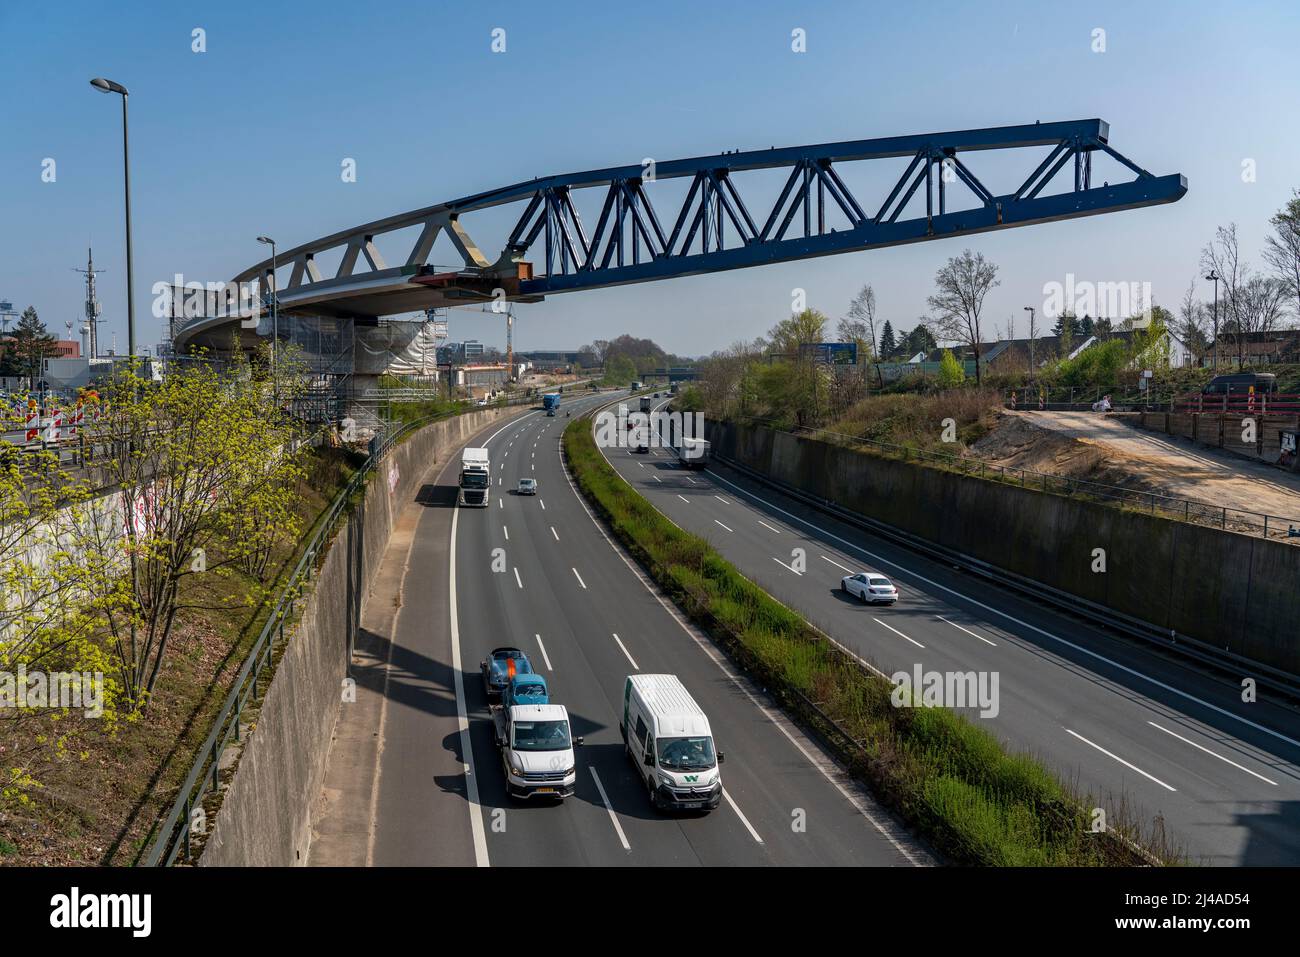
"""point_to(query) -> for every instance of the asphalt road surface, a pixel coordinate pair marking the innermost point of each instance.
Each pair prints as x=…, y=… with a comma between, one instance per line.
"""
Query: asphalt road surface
x=433, y=791
x=1113, y=718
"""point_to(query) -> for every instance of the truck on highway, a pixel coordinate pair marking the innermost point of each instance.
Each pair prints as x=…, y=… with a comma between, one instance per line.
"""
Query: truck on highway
x=645, y=403
x=536, y=745
x=693, y=453
x=475, y=477
x=551, y=402
x=635, y=386
x=670, y=743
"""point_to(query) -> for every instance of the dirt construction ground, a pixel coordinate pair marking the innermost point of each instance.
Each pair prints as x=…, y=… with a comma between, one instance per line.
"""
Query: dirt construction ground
x=1104, y=448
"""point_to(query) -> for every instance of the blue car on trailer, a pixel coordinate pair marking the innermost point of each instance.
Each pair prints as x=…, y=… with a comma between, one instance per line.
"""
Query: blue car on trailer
x=500, y=667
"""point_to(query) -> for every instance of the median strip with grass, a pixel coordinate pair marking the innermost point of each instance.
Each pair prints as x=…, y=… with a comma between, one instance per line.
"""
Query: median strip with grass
x=951, y=781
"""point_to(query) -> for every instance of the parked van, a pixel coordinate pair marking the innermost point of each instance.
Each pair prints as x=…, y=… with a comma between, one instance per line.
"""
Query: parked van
x=669, y=741
x=1240, y=383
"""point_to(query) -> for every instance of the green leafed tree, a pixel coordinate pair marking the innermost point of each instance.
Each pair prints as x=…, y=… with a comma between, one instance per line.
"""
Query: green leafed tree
x=951, y=373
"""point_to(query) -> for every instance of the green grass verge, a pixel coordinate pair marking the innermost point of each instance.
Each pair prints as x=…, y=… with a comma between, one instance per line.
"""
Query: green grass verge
x=952, y=781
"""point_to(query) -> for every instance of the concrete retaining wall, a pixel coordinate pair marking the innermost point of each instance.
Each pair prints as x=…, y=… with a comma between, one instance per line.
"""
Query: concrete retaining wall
x=265, y=815
x=1233, y=592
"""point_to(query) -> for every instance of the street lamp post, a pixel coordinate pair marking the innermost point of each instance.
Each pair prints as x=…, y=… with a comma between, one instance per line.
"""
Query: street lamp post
x=1214, y=278
x=108, y=86
x=1030, y=310
x=275, y=320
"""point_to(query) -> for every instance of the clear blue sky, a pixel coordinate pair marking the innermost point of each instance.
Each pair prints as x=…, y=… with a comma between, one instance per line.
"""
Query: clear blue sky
x=248, y=137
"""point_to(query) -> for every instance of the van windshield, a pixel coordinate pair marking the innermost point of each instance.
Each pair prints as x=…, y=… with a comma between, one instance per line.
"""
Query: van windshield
x=686, y=754
x=542, y=736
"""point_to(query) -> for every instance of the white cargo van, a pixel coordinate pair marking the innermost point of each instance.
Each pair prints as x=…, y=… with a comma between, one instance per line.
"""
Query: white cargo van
x=668, y=738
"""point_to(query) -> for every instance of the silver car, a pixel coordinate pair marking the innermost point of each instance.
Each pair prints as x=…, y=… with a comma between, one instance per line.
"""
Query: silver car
x=527, y=487
x=870, y=587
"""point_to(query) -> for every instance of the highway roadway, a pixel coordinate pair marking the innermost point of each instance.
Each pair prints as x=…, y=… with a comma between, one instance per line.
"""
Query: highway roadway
x=431, y=786
x=1112, y=717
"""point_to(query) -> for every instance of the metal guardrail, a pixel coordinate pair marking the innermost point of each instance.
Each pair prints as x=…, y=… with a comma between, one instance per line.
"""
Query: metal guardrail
x=172, y=839
x=1258, y=524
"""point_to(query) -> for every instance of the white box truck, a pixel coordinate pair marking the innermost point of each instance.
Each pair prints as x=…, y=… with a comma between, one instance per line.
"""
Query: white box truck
x=475, y=477
x=669, y=741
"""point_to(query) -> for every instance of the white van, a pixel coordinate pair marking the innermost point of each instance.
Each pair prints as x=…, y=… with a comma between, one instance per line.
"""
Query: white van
x=668, y=738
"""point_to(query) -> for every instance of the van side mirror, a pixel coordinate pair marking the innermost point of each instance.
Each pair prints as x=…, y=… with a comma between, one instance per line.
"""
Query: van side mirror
x=649, y=760
x=577, y=742
x=721, y=757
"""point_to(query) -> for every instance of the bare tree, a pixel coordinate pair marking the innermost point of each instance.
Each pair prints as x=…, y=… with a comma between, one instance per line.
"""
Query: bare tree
x=1262, y=306
x=860, y=326
x=1223, y=256
x=1193, y=322
x=960, y=287
x=1282, y=248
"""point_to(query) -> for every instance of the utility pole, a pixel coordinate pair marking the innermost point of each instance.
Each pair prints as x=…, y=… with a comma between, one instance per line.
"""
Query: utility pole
x=92, y=301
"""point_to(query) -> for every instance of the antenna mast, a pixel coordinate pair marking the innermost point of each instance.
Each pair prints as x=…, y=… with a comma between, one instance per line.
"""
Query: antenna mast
x=92, y=302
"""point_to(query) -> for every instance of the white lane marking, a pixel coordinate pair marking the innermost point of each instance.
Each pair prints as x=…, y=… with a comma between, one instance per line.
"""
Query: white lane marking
x=640, y=465
x=825, y=766
x=897, y=632
x=967, y=630
x=498, y=482
x=557, y=537
x=684, y=499
x=626, y=654
x=505, y=455
x=789, y=568
x=657, y=479
x=542, y=504
x=501, y=502
x=743, y=820
x=462, y=717
x=1212, y=754
x=506, y=531
x=769, y=527
x=534, y=455
x=610, y=808
x=518, y=580
x=1126, y=764
x=722, y=500
x=533, y=467
x=691, y=480
x=880, y=559
x=716, y=522
x=837, y=564
x=579, y=577
x=545, y=657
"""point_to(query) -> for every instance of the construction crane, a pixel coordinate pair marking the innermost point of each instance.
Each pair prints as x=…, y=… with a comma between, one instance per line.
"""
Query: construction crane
x=510, y=334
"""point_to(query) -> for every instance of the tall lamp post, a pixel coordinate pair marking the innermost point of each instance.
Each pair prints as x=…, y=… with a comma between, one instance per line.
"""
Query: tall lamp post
x=1030, y=310
x=108, y=86
x=1214, y=278
x=275, y=321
